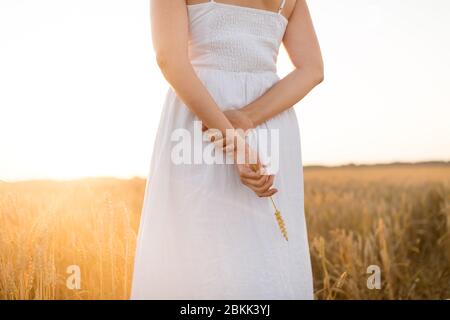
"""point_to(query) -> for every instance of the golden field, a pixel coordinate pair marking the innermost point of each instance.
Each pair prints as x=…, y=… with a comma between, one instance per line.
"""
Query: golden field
x=396, y=217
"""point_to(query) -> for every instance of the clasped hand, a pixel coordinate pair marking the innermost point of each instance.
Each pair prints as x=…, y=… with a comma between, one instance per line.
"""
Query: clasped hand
x=251, y=171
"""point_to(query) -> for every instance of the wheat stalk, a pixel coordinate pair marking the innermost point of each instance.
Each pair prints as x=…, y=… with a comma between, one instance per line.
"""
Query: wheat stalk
x=280, y=221
x=278, y=217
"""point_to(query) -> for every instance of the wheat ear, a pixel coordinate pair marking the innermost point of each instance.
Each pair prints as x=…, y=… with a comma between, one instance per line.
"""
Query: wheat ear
x=278, y=217
x=280, y=220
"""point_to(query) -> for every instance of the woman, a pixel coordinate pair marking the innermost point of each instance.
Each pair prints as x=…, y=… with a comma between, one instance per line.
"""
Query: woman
x=207, y=230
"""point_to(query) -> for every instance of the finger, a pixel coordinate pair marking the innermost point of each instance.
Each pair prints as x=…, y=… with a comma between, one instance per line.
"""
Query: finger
x=255, y=184
x=218, y=142
x=261, y=191
x=262, y=167
x=266, y=186
x=258, y=167
x=258, y=183
x=268, y=193
x=213, y=135
x=246, y=173
x=228, y=148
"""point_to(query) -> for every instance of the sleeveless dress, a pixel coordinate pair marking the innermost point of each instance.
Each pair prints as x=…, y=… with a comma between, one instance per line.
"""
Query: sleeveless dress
x=203, y=234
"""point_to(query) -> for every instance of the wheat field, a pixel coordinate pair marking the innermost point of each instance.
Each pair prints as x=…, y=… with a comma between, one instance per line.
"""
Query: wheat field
x=396, y=217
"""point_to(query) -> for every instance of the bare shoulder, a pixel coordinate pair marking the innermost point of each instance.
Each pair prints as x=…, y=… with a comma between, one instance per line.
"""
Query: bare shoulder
x=289, y=7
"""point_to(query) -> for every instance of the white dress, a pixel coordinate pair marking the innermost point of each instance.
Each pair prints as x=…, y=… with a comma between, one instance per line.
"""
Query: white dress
x=203, y=234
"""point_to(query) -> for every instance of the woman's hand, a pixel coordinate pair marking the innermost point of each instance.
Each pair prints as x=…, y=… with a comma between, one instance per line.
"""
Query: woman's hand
x=259, y=182
x=251, y=170
x=238, y=118
x=252, y=173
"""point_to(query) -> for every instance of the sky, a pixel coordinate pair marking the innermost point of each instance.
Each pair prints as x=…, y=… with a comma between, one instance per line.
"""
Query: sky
x=81, y=94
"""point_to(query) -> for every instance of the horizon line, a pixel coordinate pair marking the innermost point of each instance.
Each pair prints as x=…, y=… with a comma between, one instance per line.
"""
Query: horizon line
x=305, y=167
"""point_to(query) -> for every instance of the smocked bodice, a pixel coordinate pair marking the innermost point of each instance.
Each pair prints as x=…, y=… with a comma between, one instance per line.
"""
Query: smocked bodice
x=234, y=38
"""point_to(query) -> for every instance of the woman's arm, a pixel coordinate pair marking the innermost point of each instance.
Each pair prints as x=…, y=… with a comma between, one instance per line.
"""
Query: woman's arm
x=170, y=29
x=303, y=48
x=169, y=22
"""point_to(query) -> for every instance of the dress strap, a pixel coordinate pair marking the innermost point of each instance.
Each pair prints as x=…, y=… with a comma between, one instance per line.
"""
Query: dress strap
x=283, y=2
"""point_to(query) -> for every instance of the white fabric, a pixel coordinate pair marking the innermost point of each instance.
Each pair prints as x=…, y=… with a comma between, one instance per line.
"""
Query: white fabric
x=204, y=235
